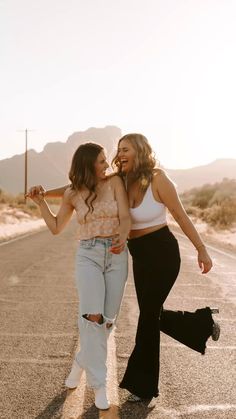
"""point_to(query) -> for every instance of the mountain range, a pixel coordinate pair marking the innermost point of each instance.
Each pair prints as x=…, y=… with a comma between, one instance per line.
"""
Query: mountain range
x=50, y=167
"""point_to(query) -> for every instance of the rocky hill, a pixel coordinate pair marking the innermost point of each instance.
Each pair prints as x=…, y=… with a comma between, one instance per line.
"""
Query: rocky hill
x=50, y=167
x=197, y=176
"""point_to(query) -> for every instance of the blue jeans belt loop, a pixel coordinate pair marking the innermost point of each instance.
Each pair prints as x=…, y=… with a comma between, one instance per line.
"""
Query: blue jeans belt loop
x=93, y=241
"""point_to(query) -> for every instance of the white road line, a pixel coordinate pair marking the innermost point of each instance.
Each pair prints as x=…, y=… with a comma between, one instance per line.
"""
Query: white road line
x=225, y=299
x=38, y=335
x=212, y=287
x=17, y=302
x=187, y=298
x=189, y=410
x=208, y=407
x=50, y=361
x=15, y=281
x=22, y=236
x=215, y=347
x=212, y=248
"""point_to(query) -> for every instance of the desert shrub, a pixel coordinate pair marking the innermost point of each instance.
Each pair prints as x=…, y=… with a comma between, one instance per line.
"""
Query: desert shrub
x=18, y=201
x=215, y=204
x=6, y=198
x=193, y=211
x=223, y=215
x=203, y=196
x=28, y=206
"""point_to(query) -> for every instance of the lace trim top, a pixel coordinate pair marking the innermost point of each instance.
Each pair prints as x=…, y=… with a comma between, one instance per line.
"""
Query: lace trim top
x=104, y=220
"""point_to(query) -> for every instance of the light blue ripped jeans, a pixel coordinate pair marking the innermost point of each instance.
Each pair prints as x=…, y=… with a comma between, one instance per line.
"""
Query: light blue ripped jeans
x=100, y=277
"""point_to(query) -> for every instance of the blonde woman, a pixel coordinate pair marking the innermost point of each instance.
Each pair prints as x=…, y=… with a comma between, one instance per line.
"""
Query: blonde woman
x=156, y=263
x=100, y=203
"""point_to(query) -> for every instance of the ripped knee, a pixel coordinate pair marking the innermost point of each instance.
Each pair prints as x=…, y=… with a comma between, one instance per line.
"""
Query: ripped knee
x=110, y=322
x=95, y=318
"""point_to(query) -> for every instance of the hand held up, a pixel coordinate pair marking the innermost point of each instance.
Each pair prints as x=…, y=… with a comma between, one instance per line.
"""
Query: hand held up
x=36, y=193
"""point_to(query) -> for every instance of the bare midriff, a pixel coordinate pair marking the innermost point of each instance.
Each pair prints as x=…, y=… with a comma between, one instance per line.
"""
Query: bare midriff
x=133, y=234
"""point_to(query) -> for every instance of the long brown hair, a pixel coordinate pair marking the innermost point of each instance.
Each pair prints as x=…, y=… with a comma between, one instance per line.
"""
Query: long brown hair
x=82, y=171
x=144, y=162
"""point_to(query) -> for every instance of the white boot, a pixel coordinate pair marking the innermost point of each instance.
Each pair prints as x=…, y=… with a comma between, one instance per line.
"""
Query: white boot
x=101, y=401
x=75, y=375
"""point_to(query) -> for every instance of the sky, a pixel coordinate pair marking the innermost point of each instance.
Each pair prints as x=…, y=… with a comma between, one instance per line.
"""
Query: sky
x=165, y=68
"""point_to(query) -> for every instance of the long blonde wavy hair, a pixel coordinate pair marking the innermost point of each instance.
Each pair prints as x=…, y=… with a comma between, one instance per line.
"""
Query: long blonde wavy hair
x=145, y=161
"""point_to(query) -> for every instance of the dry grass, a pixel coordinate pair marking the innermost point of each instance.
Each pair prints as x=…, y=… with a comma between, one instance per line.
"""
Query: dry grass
x=20, y=207
x=214, y=204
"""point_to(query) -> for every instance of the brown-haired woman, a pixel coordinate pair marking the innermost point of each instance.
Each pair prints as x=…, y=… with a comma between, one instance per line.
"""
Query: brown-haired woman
x=100, y=203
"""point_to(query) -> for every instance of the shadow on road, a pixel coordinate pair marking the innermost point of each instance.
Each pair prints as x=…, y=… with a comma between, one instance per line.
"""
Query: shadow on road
x=91, y=413
x=53, y=409
x=136, y=410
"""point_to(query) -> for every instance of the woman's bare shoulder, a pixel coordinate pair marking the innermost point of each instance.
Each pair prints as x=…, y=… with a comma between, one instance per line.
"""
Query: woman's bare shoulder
x=70, y=194
x=159, y=172
x=161, y=176
x=114, y=179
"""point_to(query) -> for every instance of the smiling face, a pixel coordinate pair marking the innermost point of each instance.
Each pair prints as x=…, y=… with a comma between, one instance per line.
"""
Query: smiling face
x=126, y=156
x=101, y=166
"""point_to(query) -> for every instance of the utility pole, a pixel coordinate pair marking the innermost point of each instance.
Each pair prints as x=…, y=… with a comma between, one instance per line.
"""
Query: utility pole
x=26, y=160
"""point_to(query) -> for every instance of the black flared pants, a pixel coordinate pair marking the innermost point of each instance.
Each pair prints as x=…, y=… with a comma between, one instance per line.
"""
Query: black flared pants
x=156, y=263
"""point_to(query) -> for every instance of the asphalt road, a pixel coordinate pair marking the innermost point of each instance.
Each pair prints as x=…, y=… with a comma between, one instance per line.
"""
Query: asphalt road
x=38, y=337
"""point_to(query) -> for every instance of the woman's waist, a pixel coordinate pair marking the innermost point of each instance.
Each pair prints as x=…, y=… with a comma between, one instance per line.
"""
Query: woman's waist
x=152, y=241
x=104, y=240
x=134, y=234
x=98, y=229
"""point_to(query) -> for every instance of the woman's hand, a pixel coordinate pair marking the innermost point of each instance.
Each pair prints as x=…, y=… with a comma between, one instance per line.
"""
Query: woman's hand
x=36, y=193
x=118, y=245
x=204, y=260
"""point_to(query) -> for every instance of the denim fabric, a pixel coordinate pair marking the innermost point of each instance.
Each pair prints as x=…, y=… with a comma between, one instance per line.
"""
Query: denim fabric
x=100, y=277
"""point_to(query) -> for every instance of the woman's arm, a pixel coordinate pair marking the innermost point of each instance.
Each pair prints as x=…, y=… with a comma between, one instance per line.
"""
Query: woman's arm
x=168, y=194
x=57, y=192
x=55, y=223
x=123, y=214
x=51, y=193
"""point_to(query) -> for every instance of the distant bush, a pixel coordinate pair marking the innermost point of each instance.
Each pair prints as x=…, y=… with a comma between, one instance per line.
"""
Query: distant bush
x=223, y=215
x=18, y=201
x=29, y=207
x=215, y=204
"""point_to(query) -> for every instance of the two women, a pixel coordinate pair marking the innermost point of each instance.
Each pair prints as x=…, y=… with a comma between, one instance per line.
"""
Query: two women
x=100, y=203
x=156, y=263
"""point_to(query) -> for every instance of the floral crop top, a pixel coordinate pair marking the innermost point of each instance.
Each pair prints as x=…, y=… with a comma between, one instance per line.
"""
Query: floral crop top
x=104, y=220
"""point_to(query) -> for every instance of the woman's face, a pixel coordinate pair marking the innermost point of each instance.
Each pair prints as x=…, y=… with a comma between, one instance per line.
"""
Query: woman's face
x=101, y=166
x=126, y=156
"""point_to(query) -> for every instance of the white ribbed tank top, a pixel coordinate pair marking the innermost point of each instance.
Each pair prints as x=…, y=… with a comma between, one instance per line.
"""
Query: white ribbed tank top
x=149, y=213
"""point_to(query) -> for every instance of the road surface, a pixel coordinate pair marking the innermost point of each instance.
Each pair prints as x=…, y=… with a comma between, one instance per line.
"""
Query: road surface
x=38, y=337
